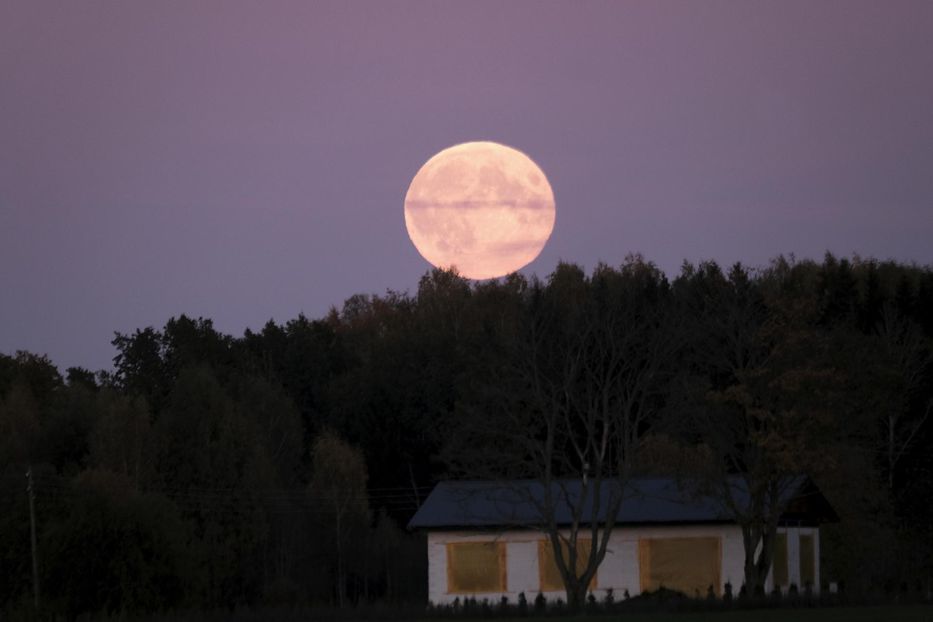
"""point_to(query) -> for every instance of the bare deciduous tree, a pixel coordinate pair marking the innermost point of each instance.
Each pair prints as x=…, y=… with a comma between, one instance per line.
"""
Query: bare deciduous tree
x=765, y=422
x=582, y=384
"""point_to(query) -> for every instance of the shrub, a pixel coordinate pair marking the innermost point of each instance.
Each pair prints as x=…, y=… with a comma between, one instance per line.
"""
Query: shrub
x=522, y=603
x=540, y=602
x=115, y=550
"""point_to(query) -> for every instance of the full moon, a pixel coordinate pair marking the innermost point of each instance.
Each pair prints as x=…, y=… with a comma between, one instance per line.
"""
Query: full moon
x=480, y=207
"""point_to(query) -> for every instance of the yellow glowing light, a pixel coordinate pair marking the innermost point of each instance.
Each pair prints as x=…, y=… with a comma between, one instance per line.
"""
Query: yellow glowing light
x=480, y=207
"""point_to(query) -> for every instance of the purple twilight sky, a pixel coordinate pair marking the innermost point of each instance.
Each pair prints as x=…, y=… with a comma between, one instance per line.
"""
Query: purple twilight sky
x=248, y=160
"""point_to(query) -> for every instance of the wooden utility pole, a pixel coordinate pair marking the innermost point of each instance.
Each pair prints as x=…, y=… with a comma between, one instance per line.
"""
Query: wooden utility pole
x=32, y=533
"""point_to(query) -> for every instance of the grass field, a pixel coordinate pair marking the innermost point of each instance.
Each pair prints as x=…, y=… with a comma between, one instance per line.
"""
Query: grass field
x=881, y=613
x=888, y=613
x=830, y=614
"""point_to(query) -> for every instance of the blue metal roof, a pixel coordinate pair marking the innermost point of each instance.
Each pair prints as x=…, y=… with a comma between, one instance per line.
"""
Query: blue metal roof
x=484, y=504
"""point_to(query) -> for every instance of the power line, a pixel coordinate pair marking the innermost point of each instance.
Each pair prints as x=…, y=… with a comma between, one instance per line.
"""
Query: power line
x=239, y=501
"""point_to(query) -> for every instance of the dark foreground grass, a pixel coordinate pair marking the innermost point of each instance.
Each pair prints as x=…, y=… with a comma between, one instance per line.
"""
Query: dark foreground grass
x=875, y=613
x=887, y=613
x=882, y=613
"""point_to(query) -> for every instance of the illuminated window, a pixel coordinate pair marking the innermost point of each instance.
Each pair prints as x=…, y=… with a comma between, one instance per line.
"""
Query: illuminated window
x=474, y=567
x=807, y=561
x=780, y=560
x=688, y=565
x=549, y=574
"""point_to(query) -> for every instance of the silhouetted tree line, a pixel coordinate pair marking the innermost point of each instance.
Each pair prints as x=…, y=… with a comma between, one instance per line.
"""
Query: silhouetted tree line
x=280, y=467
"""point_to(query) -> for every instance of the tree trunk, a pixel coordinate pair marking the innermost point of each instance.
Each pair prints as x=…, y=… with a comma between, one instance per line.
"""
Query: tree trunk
x=388, y=594
x=757, y=568
x=892, y=421
x=751, y=575
x=340, y=580
x=366, y=575
x=577, y=590
x=576, y=595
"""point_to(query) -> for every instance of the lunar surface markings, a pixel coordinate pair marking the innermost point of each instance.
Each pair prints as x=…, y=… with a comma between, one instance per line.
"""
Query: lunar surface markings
x=481, y=207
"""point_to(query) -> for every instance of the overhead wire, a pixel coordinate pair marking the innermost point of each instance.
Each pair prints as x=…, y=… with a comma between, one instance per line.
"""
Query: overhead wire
x=233, y=500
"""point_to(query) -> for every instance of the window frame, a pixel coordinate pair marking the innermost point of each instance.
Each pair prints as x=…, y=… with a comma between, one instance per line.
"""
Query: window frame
x=500, y=573
x=780, y=544
x=546, y=551
x=645, y=581
x=807, y=553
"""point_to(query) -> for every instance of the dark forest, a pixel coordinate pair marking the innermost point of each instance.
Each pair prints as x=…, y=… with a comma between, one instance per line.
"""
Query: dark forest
x=280, y=467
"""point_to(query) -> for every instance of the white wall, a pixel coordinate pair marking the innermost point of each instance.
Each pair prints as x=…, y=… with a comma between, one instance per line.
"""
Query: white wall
x=618, y=571
x=620, y=568
x=793, y=557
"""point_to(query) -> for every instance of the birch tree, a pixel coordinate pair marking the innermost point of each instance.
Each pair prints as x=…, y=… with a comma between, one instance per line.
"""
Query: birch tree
x=338, y=490
x=906, y=357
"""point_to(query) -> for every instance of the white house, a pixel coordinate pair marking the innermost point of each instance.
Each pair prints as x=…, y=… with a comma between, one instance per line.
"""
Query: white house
x=482, y=542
